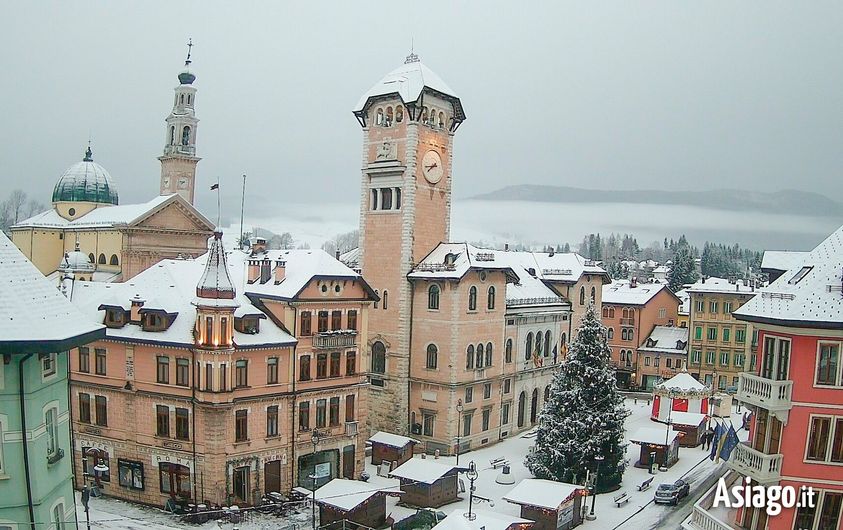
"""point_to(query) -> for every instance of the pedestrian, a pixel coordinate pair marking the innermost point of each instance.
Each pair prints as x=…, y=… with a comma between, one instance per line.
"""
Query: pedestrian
x=709, y=436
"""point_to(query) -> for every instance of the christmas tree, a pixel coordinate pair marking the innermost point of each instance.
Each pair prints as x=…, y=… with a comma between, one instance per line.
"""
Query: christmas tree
x=584, y=415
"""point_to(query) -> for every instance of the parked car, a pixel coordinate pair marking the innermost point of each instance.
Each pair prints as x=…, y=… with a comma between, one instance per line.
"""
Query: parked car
x=672, y=493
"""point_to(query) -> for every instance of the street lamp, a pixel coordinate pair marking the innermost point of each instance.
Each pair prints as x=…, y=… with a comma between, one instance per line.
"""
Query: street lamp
x=472, y=476
x=598, y=459
x=459, y=420
x=99, y=468
x=671, y=395
x=315, y=438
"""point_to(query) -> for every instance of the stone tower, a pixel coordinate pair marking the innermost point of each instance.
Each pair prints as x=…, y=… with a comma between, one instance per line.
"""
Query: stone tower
x=178, y=163
x=409, y=119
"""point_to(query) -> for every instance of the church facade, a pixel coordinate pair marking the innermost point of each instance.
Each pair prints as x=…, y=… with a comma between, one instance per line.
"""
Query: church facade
x=123, y=240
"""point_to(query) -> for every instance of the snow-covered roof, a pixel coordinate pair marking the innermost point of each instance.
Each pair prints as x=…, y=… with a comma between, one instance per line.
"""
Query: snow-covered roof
x=666, y=339
x=541, y=493
x=683, y=381
x=85, y=181
x=215, y=287
x=653, y=435
x=351, y=258
x=661, y=269
x=809, y=294
x=721, y=285
x=35, y=316
x=484, y=520
x=392, y=440
x=781, y=260
x=686, y=418
x=622, y=292
x=421, y=470
x=407, y=82
x=301, y=266
x=170, y=286
x=684, y=302
x=349, y=494
x=108, y=216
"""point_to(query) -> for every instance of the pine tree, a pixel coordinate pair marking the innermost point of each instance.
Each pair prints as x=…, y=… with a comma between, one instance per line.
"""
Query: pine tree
x=584, y=415
x=682, y=270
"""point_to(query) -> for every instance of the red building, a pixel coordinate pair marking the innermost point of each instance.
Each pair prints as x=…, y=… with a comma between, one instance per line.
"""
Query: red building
x=796, y=394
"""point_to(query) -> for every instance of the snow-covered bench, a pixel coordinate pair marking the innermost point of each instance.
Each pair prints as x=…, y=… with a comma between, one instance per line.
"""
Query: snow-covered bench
x=498, y=462
x=644, y=486
x=621, y=498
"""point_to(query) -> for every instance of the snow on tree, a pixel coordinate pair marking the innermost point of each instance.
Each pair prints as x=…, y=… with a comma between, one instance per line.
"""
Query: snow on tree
x=682, y=269
x=584, y=415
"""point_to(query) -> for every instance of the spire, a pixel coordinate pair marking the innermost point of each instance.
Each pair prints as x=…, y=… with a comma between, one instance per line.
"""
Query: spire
x=89, y=155
x=186, y=78
x=215, y=283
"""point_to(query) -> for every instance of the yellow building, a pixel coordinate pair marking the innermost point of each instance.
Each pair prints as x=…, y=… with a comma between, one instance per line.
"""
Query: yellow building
x=720, y=346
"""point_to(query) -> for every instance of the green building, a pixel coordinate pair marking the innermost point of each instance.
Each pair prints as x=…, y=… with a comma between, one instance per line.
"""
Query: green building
x=38, y=326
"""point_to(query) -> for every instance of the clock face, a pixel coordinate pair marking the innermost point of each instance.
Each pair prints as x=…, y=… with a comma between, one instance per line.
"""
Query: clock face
x=183, y=183
x=432, y=166
x=166, y=183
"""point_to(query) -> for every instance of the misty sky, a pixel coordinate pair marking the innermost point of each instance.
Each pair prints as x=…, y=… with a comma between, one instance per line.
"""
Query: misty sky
x=673, y=95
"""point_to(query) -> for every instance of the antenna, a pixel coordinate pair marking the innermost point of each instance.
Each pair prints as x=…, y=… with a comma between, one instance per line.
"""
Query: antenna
x=242, y=209
x=189, y=49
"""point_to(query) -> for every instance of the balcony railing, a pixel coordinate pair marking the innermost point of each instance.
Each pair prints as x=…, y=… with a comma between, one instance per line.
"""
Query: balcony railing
x=704, y=517
x=512, y=302
x=351, y=428
x=765, y=393
x=335, y=339
x=627, y=322
x=763, y=468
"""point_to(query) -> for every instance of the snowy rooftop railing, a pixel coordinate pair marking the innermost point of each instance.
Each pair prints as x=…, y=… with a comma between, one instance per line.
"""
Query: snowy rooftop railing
x=556, y=272
x=435, y=267
x=779, y=296
x=534, y=301
x=485, y=256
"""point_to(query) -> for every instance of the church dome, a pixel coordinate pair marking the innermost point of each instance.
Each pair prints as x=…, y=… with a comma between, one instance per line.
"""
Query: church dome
x=76, y=261
x=85, y=181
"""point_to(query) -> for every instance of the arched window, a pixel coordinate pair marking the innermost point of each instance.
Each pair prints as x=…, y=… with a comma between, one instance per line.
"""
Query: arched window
x=625, y=313
x=508, y=357
x=424, y=115
x=172, y=135
x=181, y=98
x=114, y=260
x=528, y=354
x=582, y=295
x=564, y=339
x=547, y=343
x=379, y=117
x=378, y=295
x=441, y=119
x=189, y=99
x=611, y=312
x=432, y=356
x=623, y=334
x=605, y=312
x=631, y=313
x=534, y=406
x=378, y=357
x=593, y=295
x=478, y=362
x=433, y=297
x=101, y=259
x=488, y=354
x=92, y=258
x=399, y=114
x=546, y=393
x=472, y=298
x=610, y=333
x=385, y=298
x=185, y=135
x=522, y=405
x=388, y=116
x=469, y=357
x=490, y=297
x=539, y=344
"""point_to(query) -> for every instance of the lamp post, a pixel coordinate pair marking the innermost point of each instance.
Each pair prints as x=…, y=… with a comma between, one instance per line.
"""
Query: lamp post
x=598, y=459
x=459, y=425
x=99, y=468
x=315, y=438
x=671, y=395
x=472, y=476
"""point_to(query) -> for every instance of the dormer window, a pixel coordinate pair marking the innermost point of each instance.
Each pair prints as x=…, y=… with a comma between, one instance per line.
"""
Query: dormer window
x=247, y=324
x=114, y=318
x=154, y=322
x=799, y=275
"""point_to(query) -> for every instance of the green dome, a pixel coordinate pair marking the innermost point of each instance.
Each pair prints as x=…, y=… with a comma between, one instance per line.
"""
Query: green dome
x=85, y=181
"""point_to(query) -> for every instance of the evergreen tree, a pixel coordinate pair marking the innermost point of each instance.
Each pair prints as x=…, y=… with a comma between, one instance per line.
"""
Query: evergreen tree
x=682, y=270
x=584, y=416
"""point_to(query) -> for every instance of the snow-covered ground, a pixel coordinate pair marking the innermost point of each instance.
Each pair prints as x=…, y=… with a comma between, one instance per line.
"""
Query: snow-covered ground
x=639, y=514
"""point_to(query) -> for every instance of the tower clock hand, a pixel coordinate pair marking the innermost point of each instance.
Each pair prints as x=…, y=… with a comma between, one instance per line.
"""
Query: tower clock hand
x=431, y=166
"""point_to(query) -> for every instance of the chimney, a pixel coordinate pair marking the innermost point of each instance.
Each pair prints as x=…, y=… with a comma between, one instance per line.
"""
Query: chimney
x=337, y=254
x=280, y=271
x=633, y=282
x=266, y=272
x=258, y=245
x=703, y=279
x=254, y=270
x=552, y=251
x=137, y=304
x=506, y=247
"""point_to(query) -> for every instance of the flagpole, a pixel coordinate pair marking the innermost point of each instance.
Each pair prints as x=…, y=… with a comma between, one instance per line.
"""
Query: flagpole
x=242, y=209
x=218, y=203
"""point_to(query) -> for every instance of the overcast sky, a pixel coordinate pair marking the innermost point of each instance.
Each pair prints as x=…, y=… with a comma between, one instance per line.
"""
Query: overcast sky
x=674, y=95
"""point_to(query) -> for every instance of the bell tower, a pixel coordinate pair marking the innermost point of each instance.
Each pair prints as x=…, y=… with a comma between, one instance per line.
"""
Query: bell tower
x=178, y=163
x=408, y=119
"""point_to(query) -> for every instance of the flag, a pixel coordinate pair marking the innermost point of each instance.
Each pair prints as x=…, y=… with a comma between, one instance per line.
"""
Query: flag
x=731, y=441
x=715, y=440
x=721, y=442
x=215, y=186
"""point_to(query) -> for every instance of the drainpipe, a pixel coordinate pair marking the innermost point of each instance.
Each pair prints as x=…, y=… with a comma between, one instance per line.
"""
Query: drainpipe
x=293, y=426
x=409, y=356
x=25, y=446
x=196, y=374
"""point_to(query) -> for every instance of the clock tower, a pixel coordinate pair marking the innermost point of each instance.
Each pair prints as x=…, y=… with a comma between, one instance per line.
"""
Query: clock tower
x=178, y=163
x=409, y=119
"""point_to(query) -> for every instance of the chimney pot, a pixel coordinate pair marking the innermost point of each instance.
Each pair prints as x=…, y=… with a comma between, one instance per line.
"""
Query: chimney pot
x=280, y=271
x=337, y=254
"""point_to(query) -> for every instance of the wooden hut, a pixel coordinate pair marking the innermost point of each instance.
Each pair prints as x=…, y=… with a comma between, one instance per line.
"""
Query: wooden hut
x=552, y=505
x=680, y=393
x=691, y=425
x=652, y=441
x=427, y=483
x=355, y=501
x=482, y=520
x=391, y=447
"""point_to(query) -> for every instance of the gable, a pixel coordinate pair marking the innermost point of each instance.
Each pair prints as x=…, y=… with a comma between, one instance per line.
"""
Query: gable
x=175, y=216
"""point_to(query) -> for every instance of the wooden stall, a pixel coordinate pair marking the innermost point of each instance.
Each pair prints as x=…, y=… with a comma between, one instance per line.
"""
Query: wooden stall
x=391, y=448
x=355, y=501
x=482, y=520
x=652, y=441
x=552, y=505
x=691, y=425
x=426, y=483
x=680, y=393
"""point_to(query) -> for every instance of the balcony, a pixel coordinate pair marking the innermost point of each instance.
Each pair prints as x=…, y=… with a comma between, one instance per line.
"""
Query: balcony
x=333, y=340
x=762, y=468
x=705, y=517
x=627, y=321
x=351, y=428
x=769, y=394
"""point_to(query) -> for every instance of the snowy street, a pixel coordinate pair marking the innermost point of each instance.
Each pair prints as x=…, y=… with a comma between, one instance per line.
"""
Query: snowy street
x=640, y=513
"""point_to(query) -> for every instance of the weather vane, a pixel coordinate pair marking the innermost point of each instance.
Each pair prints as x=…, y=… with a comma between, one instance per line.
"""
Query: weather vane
x=189, y=46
